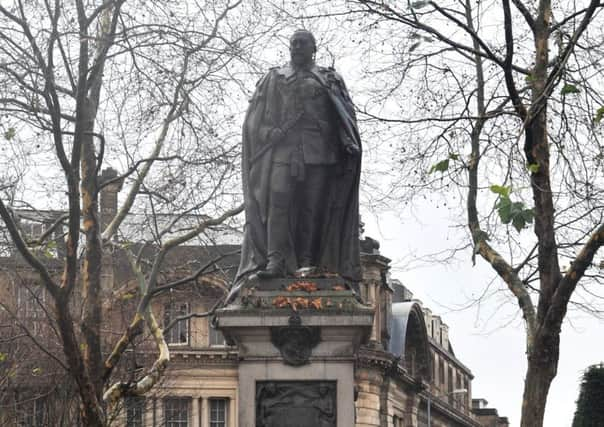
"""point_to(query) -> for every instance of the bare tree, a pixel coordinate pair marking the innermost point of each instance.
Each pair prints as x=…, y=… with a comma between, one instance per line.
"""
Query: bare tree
x=496, y=108
x=152, y=89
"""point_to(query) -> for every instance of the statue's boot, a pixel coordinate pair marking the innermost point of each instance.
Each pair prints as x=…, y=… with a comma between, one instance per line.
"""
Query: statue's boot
x=272, y=271
x=274, y=268
x=305, y=261
x=306, y=271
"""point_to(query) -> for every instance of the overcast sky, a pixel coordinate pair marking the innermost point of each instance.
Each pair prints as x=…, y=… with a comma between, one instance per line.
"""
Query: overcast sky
x=487, y=337
x=486, y=327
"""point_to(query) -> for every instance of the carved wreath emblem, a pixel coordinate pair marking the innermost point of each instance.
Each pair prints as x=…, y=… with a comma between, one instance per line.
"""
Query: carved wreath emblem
x=295, y=342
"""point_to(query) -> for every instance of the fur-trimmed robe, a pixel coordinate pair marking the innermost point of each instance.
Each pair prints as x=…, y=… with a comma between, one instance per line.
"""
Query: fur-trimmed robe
x=339, y=252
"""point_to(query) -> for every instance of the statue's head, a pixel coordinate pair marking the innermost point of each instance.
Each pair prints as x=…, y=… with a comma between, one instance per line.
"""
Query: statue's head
x=302, y=47
x=271, y=389
x=323, y=390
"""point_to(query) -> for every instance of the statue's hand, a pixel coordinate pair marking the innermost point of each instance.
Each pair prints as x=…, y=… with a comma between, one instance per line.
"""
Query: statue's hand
x=352, y=149
x=276, y=135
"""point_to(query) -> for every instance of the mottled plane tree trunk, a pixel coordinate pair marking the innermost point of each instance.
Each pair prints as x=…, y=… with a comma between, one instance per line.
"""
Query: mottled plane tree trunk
x=144, y=86
x=504, y=83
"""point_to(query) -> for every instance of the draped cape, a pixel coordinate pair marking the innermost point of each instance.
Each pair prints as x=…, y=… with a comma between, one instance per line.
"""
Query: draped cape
x=339, y=248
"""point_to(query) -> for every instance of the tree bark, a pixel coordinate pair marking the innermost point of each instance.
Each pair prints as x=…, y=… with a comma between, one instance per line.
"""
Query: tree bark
x=91, y=270
x=92, y=415
x=543, y=354
x=541, y=370
x=544, y=305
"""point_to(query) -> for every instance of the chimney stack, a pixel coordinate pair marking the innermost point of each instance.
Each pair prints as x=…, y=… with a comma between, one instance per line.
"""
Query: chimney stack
x=109, y=193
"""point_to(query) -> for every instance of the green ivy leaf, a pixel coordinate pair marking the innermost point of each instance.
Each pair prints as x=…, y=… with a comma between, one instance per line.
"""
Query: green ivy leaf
x=501, y=190
x=518, y=224
x=568, y=89
x=10, y=133
x=441, y=166
x=504, y=208
x=522, y=219
x=599, y=115
x=516, y=209
x=3, y=356
x=514, y=212
x=36, y=371
x=533, y=167
x=528, y=215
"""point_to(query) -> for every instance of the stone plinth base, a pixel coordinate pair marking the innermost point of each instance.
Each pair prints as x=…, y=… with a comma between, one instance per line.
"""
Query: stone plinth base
x=303, y=333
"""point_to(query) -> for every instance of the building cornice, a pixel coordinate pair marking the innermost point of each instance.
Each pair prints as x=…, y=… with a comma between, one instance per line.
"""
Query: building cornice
x=437, y=348
x=439, y=405
x=200, y=358
x=388, y=366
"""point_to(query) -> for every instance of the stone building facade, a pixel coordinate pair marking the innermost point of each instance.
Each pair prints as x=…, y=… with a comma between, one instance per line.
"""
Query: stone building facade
x=410, y=364
x=406, y=375
x=488, y=417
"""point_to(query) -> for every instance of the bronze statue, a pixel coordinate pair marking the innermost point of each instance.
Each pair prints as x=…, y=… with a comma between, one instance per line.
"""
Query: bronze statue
x=301, y=168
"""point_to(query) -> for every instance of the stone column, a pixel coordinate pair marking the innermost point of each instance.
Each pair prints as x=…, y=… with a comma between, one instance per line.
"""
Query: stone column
x=369, y=382
x=205, y=414
x=232, y=415
x=195, y=412
x=412, y=410
x=375, y=267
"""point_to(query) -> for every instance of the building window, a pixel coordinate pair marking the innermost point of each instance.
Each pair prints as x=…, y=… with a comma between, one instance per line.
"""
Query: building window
x=460, y=396
x=218, y=412
x=216, y=337
x=435, y=331
x=31, y=300
x=466, y=396
x=397, y=421
x=179, y=332
x=450, y=386
x=135, y=410
x=441, y=374
x=176, y=412
x=33, y=414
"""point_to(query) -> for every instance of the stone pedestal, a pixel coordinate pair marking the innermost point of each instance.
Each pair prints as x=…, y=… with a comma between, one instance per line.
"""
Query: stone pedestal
x=297, y=342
